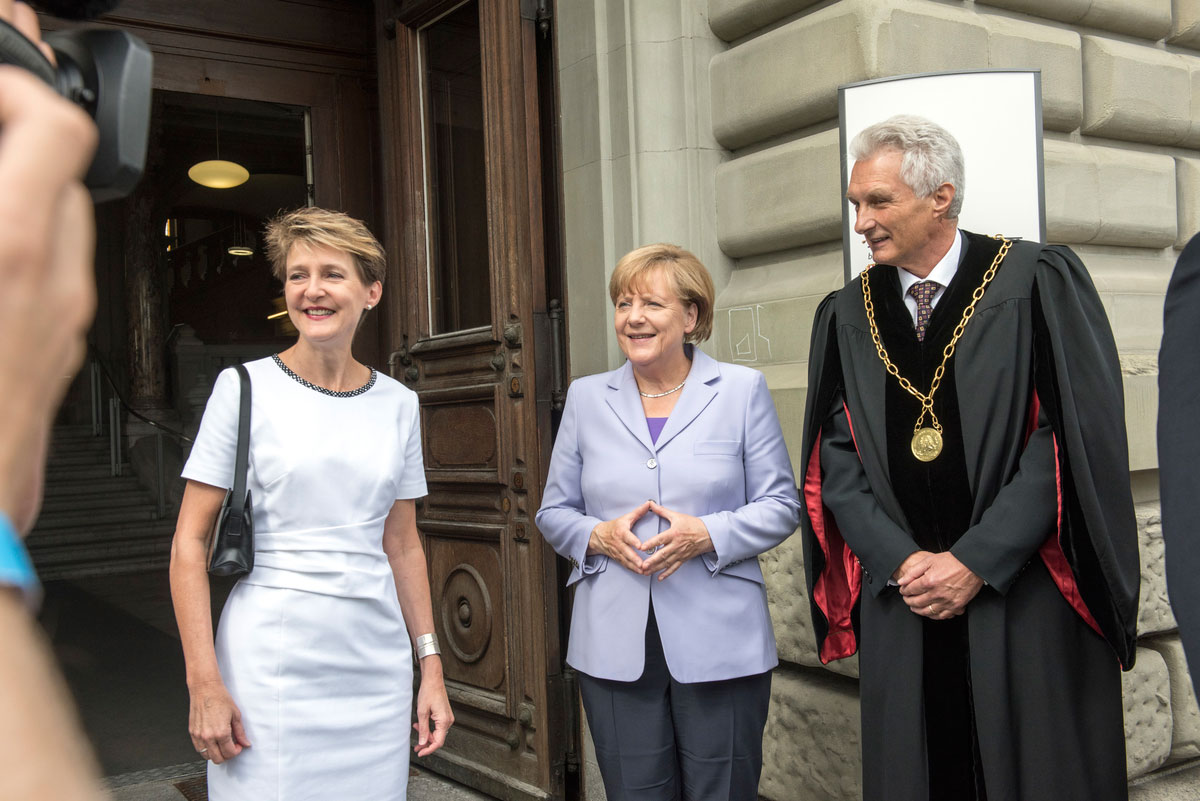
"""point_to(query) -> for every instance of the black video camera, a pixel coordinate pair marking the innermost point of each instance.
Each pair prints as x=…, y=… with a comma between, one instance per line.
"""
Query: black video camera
x=107, y=72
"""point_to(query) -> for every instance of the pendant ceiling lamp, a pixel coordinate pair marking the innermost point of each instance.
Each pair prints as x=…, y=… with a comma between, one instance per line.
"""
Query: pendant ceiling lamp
x=242, y=243
x=218, y=173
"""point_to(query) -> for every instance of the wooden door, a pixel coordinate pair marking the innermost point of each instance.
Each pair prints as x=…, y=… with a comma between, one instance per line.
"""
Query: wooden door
x=461, y=147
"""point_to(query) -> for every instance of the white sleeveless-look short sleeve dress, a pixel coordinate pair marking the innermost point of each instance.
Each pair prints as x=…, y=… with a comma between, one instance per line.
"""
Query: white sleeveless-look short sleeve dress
x=312, y=644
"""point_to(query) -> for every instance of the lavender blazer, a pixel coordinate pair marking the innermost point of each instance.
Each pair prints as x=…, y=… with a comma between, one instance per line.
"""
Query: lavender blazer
x=721, y=458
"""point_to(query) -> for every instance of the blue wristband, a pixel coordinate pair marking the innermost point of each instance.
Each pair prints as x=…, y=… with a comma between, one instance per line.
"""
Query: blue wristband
x=16, y=570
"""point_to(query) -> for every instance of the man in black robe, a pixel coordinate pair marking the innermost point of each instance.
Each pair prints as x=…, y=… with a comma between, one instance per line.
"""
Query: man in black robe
x=969, y=528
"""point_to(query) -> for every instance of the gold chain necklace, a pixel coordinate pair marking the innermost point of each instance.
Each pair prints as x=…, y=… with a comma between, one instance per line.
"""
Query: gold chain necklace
x=927, y=442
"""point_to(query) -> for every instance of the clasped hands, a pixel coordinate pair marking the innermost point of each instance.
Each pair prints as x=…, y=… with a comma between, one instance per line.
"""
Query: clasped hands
x=687, y=537
x=936, y=585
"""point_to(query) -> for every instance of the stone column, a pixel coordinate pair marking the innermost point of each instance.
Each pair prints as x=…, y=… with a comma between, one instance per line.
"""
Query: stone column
x=638, y=153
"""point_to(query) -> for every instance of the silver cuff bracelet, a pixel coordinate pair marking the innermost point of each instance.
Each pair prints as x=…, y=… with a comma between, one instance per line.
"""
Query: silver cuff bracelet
x=427, y=645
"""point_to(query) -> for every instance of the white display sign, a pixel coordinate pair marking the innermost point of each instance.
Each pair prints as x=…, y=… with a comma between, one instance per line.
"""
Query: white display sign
x=996, y=116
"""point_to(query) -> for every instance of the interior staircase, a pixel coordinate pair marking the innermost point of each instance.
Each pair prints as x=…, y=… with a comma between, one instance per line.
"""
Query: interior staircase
x=93, y=523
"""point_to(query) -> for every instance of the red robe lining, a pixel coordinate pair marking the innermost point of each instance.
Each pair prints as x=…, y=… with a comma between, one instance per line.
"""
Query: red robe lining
x=837, y=589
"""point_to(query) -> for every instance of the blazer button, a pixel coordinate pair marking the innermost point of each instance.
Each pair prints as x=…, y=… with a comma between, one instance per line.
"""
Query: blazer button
x=652, y=463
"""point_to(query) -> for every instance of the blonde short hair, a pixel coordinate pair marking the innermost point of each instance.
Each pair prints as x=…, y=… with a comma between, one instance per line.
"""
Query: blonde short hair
x=688, y=278
x=318, y=227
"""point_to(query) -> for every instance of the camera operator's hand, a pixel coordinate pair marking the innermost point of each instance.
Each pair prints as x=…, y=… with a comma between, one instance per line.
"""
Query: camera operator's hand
x=47, y=291
x=24, y=19
x=47, y=298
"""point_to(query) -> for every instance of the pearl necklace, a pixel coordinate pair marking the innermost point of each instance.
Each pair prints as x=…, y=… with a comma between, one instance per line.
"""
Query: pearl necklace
x=663, y=394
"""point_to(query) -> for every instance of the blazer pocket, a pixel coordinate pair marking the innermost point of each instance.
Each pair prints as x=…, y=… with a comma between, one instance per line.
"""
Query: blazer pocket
x=718, y=447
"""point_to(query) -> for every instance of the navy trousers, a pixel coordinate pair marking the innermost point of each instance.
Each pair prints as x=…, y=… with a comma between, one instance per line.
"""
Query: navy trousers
x=660, y=740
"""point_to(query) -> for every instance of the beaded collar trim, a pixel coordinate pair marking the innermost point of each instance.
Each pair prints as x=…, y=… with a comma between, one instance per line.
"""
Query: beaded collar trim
x=349, y=393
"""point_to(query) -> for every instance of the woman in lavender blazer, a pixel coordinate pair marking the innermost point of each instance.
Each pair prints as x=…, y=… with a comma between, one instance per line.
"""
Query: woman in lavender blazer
x=669, y=477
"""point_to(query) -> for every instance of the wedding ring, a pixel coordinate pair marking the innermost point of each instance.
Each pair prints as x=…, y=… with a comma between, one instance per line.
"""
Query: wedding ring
x=202, y=750
x=929, y=609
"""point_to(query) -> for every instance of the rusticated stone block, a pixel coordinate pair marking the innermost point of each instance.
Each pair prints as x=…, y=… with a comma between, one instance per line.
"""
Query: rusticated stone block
x=1141, y=411
x=761, y=313
x=783, y=568
x=1185, y=714
x=1109, y=196
x=1112, y=196
x=1187, y=178
x=1154, y=608
x=1016, y=44
x=930, y=37
x=1147, y=694
x=1072, y=192
x=1185, y=24
x=1134, y=92
x=732, y=19
x=812, y=746
x=1137, y=198
x=1192, y=137
x=1061, y=10
x=1149, y=19
x=786, y=78
x=1131, y=283
x=783, y=197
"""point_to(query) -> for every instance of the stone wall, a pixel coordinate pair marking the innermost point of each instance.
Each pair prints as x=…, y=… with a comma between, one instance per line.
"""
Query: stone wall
x=1121, y=111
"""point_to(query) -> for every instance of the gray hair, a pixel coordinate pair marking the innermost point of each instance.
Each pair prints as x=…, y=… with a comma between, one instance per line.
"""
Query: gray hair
x=932, y=156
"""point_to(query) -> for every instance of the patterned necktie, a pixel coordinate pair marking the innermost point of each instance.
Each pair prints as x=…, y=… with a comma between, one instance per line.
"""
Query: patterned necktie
x=923, y=293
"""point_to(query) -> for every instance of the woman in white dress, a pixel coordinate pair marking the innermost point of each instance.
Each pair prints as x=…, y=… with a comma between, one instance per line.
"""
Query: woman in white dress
x=307, y=693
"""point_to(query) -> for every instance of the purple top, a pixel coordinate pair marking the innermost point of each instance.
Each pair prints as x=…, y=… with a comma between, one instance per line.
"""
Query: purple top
x=656, y=426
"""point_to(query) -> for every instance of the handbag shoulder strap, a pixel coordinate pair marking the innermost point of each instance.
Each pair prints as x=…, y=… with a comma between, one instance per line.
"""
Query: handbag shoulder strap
x=243, y=443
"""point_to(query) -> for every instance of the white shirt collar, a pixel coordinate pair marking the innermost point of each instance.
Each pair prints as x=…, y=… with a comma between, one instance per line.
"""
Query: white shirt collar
x=943, y=272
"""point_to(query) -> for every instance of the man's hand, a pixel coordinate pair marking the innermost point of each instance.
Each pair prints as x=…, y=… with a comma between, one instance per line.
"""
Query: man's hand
x=616, y=540
x=914, y=559
x=939, y=587
x=686, y=538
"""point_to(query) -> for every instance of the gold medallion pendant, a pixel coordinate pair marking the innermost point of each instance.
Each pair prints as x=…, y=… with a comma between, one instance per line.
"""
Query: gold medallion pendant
x=926, y=444
x=926, y=441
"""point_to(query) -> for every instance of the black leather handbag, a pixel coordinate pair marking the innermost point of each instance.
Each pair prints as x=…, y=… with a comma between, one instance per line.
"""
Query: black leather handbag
x=232, y=550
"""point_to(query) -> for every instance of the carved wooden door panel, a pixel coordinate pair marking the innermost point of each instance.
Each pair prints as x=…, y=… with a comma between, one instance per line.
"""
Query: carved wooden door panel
x=459, y=100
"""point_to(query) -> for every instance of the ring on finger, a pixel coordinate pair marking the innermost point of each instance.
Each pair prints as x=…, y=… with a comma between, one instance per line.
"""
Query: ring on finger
x=929, y=609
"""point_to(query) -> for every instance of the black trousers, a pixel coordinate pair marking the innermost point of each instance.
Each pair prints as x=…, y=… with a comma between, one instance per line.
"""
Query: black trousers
x=661, y=740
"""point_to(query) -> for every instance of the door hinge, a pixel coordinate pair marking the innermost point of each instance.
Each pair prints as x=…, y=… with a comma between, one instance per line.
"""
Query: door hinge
x=544, y=15
x=558, y=352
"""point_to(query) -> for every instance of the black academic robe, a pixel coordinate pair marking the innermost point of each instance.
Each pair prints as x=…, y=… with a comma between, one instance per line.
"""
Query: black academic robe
x=1179, y=447
x=1036, y=421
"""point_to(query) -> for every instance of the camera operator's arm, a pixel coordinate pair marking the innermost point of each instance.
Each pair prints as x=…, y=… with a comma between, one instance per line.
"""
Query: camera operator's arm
x=46, y=303
x=45, y=757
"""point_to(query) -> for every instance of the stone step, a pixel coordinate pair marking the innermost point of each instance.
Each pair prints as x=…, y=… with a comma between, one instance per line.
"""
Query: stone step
x=42, y=542
x=73, y=431
x=86, y=441
x=81, y=456
x=111, y=559
x=77, y=472
x=109, y=499
x=97, y=486
x=88, y=518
